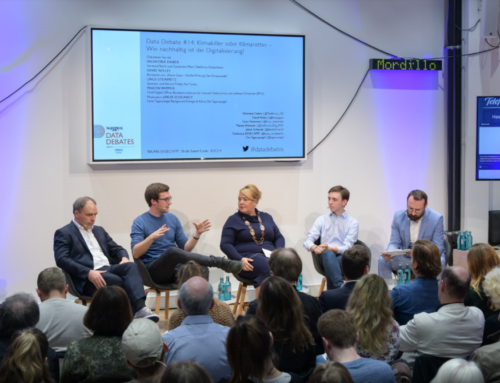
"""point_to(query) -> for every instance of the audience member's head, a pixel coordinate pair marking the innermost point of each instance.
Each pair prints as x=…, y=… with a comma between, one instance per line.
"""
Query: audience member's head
x=370, y=305
x=249, y=349
x=491, y=286
x=459, y=371
x=196, y=296
x=110, y=312
x=51, y=281
x=285, y=263
x=481, y=259
x=25, y=360
x=454, y=284
x=18, y=312
x=144, y=348
x=190, y=270
x=331, y=372
x=425, y=259
x=186, y=372
x=338, y=329
x=355, y=262
x=281, y=310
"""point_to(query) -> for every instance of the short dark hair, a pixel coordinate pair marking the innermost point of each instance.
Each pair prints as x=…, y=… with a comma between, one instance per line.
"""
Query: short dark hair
x=338, y=327
x=285, y=263
x=456, y=287
x=186, y=372
x=427, y=256
x=51, y=279
x=418, y=195
x=354, y=262
x=342, y=190
x=18, y=312
x=110, y=312
x=80, y=203
x=153, y=192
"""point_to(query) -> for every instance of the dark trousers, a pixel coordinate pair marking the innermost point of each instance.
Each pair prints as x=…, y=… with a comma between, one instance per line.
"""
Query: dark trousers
x=163, y=270
x=126, y=276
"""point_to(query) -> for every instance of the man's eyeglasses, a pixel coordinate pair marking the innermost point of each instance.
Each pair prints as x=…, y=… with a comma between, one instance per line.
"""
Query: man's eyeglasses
x=167, y=200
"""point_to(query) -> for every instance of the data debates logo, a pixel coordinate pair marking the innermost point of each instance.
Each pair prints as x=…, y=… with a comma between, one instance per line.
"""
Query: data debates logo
x=98, y=131
x=245, y=148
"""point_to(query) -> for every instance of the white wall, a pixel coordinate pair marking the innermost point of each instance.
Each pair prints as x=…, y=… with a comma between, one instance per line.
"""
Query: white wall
x=481, y=77
x=391, y=141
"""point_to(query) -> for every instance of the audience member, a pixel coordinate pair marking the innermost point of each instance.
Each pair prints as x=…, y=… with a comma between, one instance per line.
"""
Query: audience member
x=339, y=334
x=60, y=319
x=220, y=313
x=281, y=310
x=100, y=357
x=491, y=287
x=370, y=305
x=337, y=231
x=250, y=353
x=331, y=372
x=481, y=259
x=198, y=337
x=144, y=350
x=355, y=264
x=454, y=331
x=422, y=294
x=458, y=371
x=25, y=361
x=186, y=372
x=286, y=263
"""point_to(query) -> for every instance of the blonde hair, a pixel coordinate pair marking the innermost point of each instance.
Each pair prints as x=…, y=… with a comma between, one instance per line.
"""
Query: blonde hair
x=370, y=305
x=251, y=192
x=491, y=286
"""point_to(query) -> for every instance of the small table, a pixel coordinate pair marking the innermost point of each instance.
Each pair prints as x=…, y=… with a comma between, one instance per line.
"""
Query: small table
x=460, y=258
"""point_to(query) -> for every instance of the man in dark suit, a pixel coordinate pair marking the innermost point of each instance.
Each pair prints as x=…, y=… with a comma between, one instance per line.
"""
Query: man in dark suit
x=355, y=264
x=94, y=260
x=286, y=263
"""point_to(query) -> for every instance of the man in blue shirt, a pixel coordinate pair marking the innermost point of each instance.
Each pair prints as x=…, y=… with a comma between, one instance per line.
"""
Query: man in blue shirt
x=159, y=240
x=337, y=232
x=198, y=338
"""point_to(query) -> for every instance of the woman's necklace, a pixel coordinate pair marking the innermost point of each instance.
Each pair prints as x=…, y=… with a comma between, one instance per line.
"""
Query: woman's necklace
x=253, y=232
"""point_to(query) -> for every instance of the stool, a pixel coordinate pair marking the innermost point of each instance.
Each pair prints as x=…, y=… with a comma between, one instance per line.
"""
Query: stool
x=240, y=296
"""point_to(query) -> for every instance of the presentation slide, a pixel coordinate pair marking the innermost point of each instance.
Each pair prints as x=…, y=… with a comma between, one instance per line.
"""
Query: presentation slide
x=196, y=96
x=488, y=138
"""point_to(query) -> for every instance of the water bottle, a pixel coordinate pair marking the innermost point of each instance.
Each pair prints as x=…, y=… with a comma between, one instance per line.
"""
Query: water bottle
x=400, y=275
x=221, y=289
x=470, y=240
x=299, y=283
x=407, y=275
x=463, y=239
x=227, y=290
x=459, y=241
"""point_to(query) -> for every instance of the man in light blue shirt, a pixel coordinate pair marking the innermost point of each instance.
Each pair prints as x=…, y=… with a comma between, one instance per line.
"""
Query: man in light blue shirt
x=337, y=231
x=198, y=338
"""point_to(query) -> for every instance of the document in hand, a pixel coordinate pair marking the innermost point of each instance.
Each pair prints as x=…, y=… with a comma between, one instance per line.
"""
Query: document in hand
x=393, y=253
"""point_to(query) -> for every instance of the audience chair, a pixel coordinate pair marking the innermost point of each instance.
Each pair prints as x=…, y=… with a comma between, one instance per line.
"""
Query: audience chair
x=73, y=291
x=240, y=296
x=426, y=367
x=319, y=268
x=155, y=288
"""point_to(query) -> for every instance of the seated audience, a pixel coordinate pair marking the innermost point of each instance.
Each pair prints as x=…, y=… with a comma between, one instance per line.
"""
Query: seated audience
x=491, y=287
x=198, y=337
x=370, y=305
x=286, y=263
x=420, y=295
x=250, y=353
x=458, y=371
x=331, y=372
x=454, y=331
x=26, y=359
x=100, y=357
x=355, y=264
x=60, y=319
x=339, y=334
x=281, y=310
x=481, y=259
x=144, y=350
x=186, y=372
x=221, y=312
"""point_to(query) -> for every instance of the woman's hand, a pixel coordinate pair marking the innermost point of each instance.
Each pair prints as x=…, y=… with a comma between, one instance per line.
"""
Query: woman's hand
x=246, y=264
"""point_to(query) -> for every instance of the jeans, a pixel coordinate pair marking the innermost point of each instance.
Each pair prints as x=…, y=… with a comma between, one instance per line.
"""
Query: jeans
x=331, y=263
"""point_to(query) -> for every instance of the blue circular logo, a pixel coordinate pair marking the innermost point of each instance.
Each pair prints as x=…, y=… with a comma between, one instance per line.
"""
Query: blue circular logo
x=98, y=131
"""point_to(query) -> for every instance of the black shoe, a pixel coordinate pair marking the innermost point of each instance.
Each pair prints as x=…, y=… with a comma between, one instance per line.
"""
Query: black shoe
x=230, y=266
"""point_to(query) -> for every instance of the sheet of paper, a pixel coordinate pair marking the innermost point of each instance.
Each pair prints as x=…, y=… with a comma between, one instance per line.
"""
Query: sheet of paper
x=393, y=253
x=267, y=253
